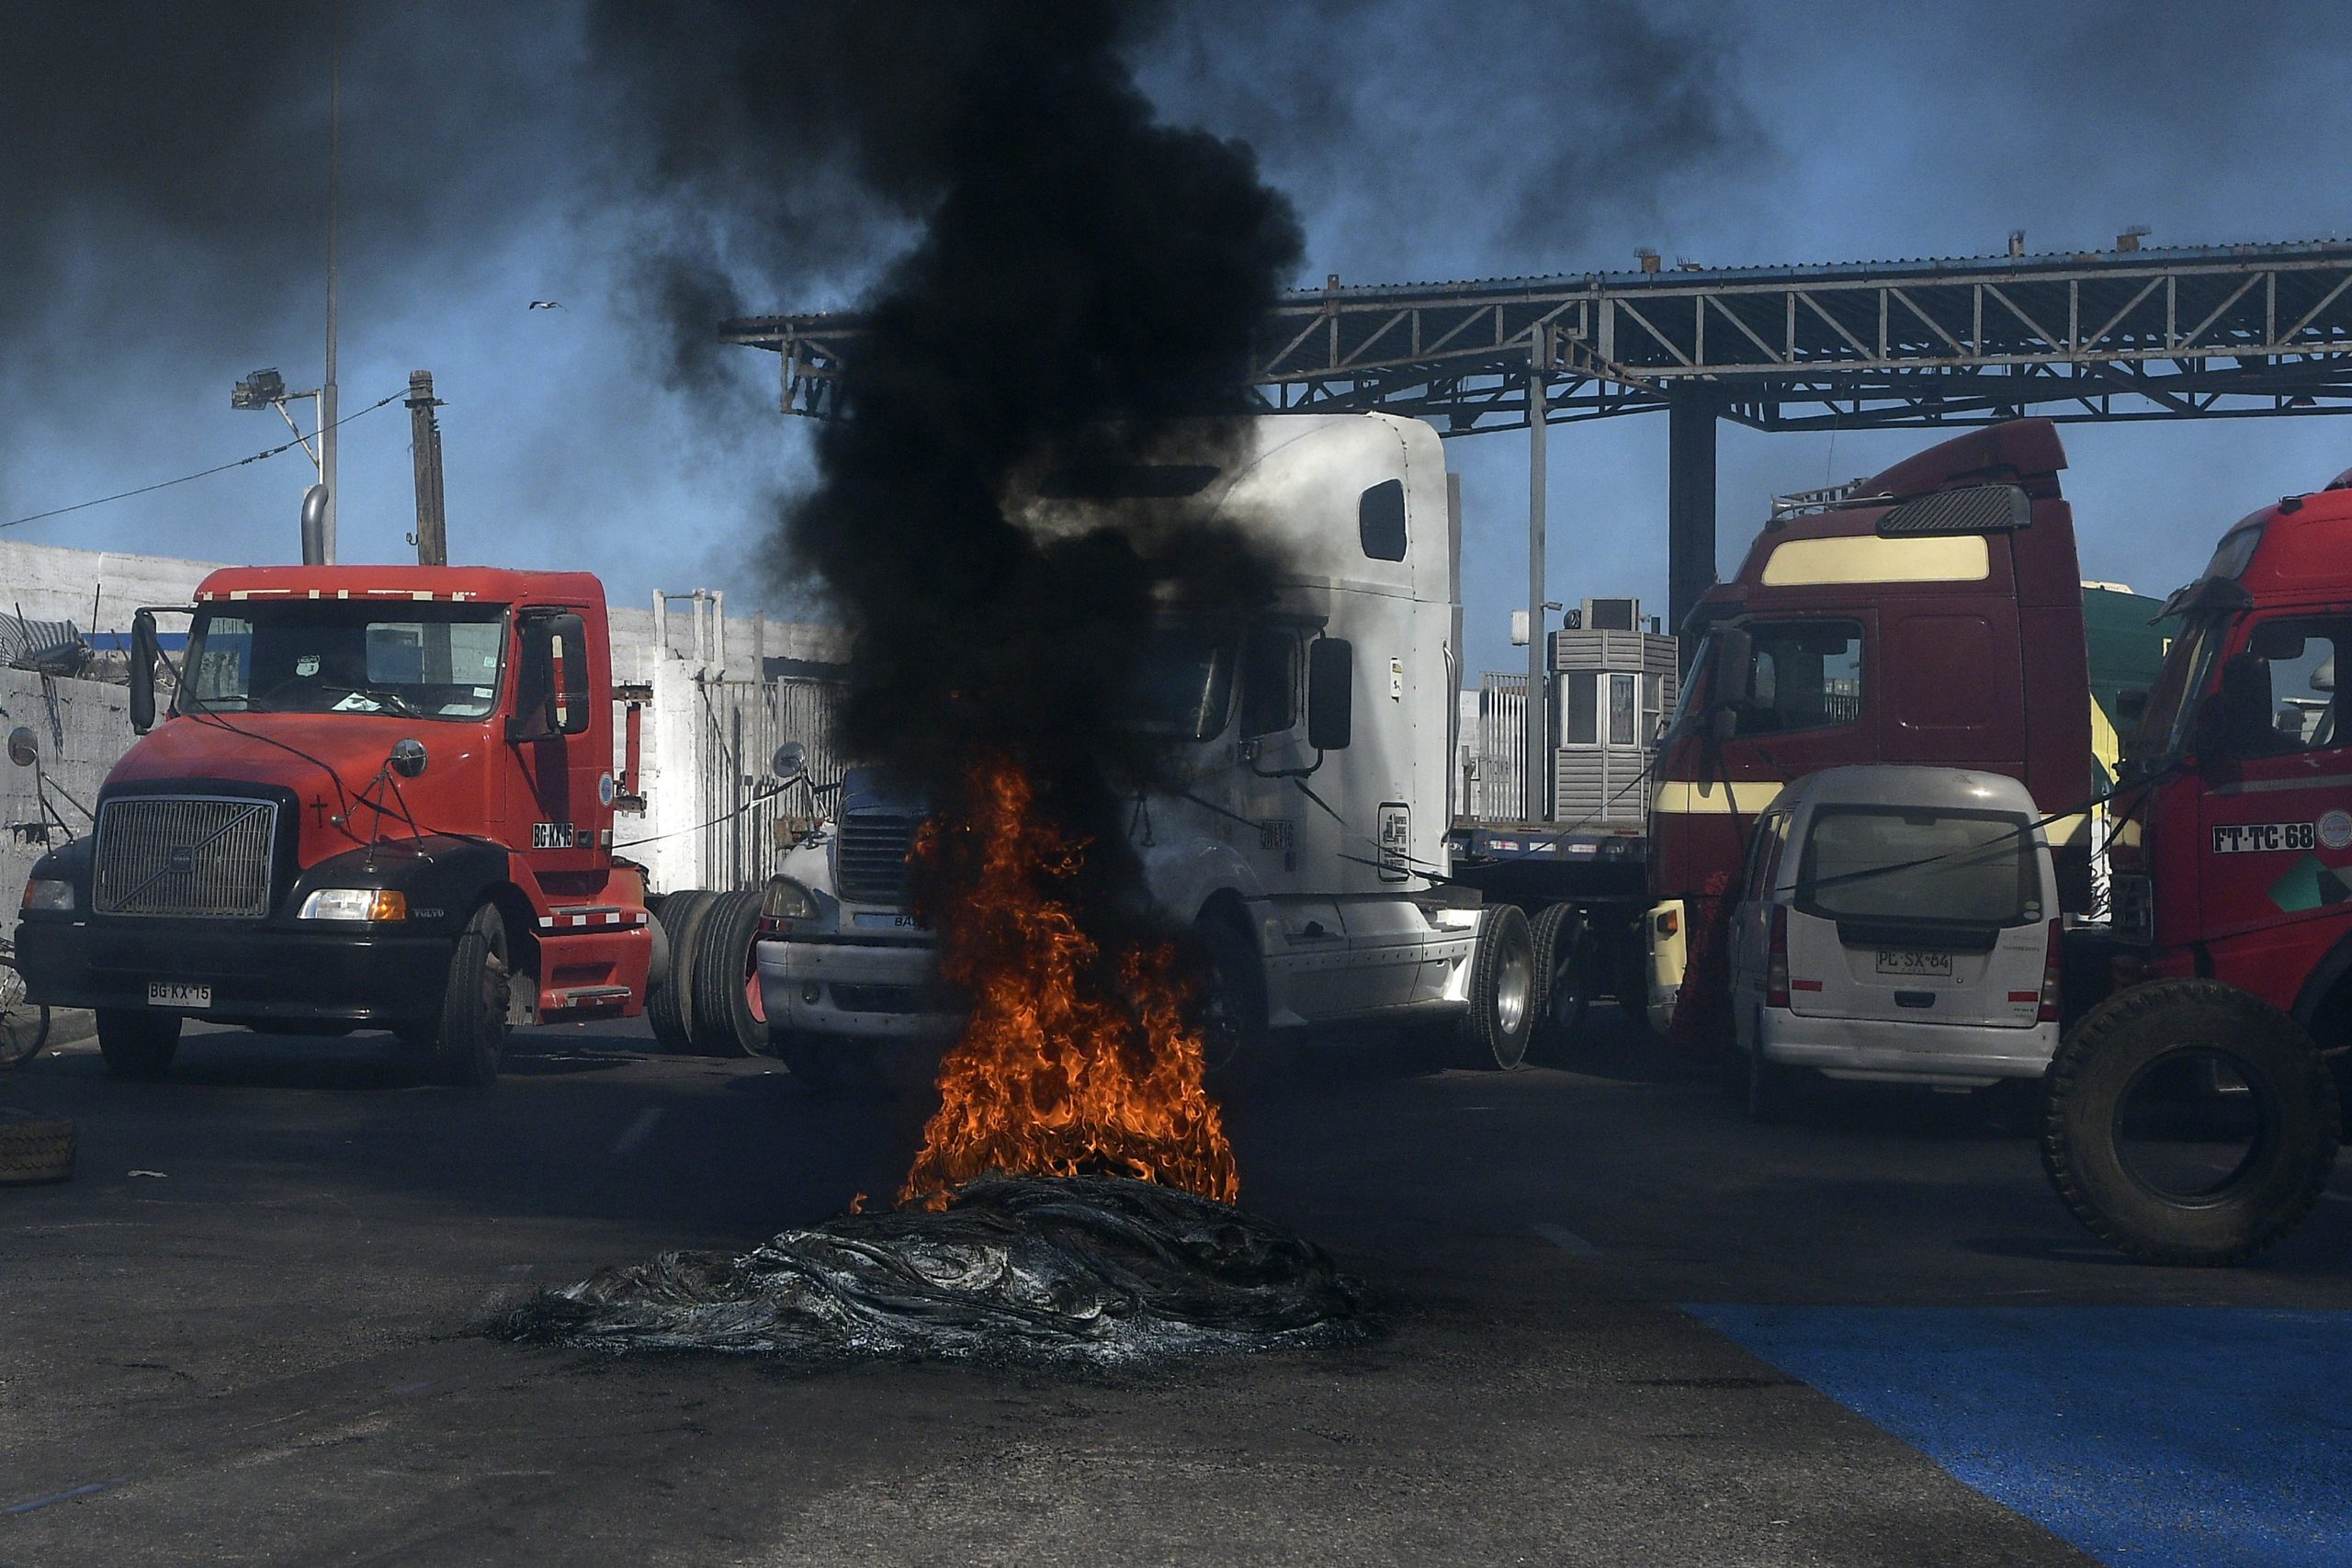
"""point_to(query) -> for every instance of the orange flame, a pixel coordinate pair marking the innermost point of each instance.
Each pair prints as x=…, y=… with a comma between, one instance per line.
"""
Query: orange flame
x=1058, y=1072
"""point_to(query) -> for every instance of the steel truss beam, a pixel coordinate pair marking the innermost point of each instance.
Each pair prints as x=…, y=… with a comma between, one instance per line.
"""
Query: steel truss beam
x=2220, y=333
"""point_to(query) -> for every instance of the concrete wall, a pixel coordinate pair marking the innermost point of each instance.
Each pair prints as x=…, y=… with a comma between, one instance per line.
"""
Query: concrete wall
x=52, y=583
x=81, y=728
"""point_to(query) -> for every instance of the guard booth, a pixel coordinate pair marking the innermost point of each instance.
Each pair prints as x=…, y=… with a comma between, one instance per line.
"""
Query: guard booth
x=1614, y=683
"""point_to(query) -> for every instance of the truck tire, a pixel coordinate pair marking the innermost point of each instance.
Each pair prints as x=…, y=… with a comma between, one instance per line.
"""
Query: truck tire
x=138, y=1045
x=729, y=1019
x=34, y=1148
x=1565, y=974
x=469, y=1036
x=1238, y=1050
x=2163, y=1028
x=1504, y=993
x=668, y=1007
x=24, y=1024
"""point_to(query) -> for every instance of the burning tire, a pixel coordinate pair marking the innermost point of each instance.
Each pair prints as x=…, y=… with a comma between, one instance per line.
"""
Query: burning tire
x=34, y=1148
x=2188, y=1121
x=669, y=1007
x=1504, y=992
x=1566, y=973
x=469, y=1036
x=726, y=1018
x=138, y=1045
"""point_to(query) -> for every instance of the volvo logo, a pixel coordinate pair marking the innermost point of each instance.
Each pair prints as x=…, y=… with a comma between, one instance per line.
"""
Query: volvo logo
x=182, y=858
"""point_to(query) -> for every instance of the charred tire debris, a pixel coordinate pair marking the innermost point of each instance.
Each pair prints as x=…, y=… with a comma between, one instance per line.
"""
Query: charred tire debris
x=1102, y=1271
x=34, y=1148
x=2167, y=1026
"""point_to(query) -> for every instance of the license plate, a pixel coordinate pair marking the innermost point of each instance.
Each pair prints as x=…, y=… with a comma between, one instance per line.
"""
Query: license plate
x=177, y=994
x=868, y=920
x=1910, y=964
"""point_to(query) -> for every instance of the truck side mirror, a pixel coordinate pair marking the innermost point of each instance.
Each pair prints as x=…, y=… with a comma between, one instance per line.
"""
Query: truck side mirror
x=1330, y=693
x=569, y=635
x=144, y=654
x=550, y=678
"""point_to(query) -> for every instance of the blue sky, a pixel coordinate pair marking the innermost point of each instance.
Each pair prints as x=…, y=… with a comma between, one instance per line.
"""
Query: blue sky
x=1417, y=142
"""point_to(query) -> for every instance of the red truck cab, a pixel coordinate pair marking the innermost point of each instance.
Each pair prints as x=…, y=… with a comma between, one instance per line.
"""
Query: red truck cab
x=1933, y=615
x=2232, y=855
x=382, y=796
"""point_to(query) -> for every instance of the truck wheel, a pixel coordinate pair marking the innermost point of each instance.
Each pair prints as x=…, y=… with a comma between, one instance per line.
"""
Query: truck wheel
x=470, y=1034
x=1564, y=973
x=1503, y=992
x=669, y=1007
x=2161, y=1176
x=138, y=1045
x=1237, y=1048
x=34, y=1148
x=24, y=1025
x=728, y=1018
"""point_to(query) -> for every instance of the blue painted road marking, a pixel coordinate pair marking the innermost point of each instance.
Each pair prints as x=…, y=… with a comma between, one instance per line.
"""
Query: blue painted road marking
x=2202, y=1437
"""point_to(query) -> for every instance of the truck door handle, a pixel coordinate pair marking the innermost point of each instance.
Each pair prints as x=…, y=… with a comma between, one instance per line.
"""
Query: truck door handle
x=1915, y=998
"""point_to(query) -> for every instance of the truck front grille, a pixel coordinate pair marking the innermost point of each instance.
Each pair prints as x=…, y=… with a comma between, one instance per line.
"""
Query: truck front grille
x=871, y=858
x=188, y=856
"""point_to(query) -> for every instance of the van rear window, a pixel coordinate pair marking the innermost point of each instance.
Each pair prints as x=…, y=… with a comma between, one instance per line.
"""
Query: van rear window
x=1889, y=863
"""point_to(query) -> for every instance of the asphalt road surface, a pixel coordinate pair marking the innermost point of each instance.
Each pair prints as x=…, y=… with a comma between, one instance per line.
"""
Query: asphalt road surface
x=1625, y=1326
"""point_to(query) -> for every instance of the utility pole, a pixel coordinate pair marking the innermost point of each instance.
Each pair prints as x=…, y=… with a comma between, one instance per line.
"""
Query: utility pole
x=1534, y=786
x=334, y=197
x=431, y=534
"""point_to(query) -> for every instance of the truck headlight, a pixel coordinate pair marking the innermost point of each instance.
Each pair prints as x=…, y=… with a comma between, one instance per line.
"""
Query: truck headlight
x=786, y=901
x=43, y=894
x=355, y=904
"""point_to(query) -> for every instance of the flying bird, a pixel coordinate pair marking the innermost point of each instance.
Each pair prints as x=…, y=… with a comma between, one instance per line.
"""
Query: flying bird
x=547, y=304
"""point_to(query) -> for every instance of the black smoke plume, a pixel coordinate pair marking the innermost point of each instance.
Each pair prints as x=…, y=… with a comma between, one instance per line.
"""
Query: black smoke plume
x=1083, y=278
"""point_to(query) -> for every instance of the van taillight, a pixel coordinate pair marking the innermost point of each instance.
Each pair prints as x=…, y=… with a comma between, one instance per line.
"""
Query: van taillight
x=1776, y=960
x=2052, y=972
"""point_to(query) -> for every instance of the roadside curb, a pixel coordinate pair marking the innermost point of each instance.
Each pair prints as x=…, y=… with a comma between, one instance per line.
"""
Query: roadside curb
x=71, y=1026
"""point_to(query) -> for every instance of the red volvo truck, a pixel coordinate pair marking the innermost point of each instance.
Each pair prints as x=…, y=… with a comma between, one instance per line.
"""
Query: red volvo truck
x=2233, y=851
x=1932, y=613
x=381, y=797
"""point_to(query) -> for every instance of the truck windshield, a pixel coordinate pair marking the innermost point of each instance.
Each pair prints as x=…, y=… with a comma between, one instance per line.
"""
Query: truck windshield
x=2172, y=701
x=1893, y=862
x=1184, y=682
x=418, y=660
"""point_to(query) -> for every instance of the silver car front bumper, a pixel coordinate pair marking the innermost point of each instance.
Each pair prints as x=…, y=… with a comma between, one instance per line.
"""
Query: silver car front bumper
x=864, y=989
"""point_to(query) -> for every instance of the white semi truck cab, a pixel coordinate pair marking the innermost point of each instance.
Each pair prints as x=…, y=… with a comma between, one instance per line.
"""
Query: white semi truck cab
x=1306, y=844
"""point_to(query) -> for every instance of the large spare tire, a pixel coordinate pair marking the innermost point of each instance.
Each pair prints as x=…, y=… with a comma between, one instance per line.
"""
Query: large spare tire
x=2151, y=1097
x=728, y=1016
x=669, y=1006
x=34, y=1148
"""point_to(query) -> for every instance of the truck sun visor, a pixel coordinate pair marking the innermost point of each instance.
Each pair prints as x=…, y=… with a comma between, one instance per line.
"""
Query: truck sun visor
x=1980, y=509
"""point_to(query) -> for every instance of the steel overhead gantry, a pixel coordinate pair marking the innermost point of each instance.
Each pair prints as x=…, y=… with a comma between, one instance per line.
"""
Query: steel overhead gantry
x=2215, y=332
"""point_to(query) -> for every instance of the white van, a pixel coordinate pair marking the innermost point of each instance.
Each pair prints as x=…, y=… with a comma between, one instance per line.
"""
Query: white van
x=1897, y=924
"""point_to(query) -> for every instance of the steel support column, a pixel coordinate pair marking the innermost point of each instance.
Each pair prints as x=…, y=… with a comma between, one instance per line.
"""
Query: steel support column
x=1691, y=410
x=1534, y=780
